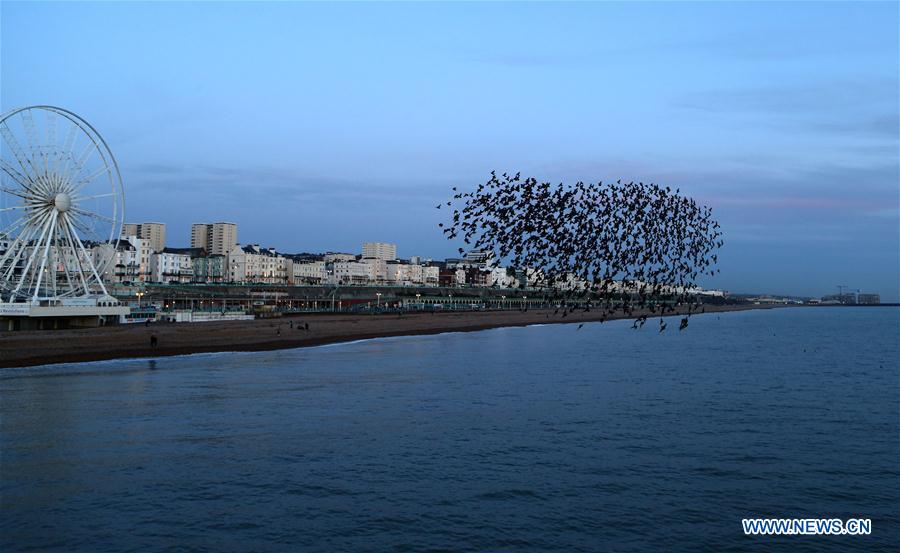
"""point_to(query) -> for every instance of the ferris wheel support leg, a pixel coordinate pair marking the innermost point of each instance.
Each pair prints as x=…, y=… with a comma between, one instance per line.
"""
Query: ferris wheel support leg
x=31, y=259
x=15, y=251
x=44, y=256
x=71, y=238
x=93, y=269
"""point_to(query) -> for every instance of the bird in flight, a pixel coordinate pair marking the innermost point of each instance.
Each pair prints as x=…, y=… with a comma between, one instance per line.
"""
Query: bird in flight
x=620, y=247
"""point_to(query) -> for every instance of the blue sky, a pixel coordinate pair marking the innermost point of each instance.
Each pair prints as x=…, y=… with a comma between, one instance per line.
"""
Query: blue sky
x=318, y=126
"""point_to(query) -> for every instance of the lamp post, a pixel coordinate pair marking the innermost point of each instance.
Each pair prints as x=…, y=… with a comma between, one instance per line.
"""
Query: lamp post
x=418, y=301
x=378, y=300
x=139, y=294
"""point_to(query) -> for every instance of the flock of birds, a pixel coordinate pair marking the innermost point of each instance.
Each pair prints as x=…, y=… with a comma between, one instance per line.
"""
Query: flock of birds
x=632, y=248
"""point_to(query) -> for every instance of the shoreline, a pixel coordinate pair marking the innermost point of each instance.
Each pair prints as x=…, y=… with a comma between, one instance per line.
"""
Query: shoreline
x=48, y=347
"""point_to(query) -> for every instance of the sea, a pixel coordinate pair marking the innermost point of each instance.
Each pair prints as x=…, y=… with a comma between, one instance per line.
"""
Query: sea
x=542, y=438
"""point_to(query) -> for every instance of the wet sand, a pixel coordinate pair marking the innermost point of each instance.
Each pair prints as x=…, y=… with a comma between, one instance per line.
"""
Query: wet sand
x=26, y=348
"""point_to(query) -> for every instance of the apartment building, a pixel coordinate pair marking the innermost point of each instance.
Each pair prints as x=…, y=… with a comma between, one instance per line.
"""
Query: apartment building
x=379, y=250
x=153, y=233
x=215, y=238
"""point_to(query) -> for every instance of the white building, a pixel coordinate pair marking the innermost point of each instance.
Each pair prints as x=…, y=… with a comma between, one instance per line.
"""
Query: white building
x=480, y=259
x=331, y=257
x=431, y=275
x=254, y=264
x=379, y=250
x=130, y=263
x=377, y=269
x=309, y=272
x=352, y=272
x=168, y=266
x=404, y=274
x=501, y=279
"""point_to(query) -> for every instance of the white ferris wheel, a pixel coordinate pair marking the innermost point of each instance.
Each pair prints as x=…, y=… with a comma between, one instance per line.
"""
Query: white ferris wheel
x=61, y=206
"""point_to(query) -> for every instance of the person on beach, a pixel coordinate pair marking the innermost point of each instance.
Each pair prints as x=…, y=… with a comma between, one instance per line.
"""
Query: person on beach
x=306, y=325
x=153, y=340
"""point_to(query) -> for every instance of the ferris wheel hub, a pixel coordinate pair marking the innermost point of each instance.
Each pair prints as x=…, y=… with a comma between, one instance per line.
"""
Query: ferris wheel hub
x=62, y=202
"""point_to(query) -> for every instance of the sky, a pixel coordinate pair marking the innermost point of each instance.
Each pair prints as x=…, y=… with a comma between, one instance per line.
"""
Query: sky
x=320, y=126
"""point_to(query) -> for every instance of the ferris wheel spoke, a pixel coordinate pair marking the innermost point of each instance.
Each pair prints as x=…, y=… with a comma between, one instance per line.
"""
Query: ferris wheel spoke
x=51, y=142
x=87, y=180
x=93, y=197
x=21, y=194
x=12, y=254
x=65, y=262
x=93, y=269
x=16, y=149
x=80, y=162
x=27, y=271
x=88, y=231
x=81, y=272
x=22, y=221
x=68, y=145
x=40, y=273
x=93, y=215
x=20, y=179
x=31, y=135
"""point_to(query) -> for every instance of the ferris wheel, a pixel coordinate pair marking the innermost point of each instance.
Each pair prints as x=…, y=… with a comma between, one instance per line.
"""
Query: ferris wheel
x=61, y=206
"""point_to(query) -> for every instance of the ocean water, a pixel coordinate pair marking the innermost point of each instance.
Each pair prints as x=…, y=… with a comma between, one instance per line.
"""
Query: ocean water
x=545, y=438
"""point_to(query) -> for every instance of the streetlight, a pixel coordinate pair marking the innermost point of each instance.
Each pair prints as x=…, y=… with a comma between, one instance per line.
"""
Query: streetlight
x=418, y=301
x=378, y=301
x=139, y=294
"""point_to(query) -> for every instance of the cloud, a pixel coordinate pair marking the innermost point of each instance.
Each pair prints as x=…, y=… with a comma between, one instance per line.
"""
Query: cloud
x=789, y=100
x=277, y=185
x=886, y=125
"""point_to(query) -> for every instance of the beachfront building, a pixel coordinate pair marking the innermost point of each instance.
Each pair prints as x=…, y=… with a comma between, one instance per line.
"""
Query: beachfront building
x=377, y=269
x=252, y=264
x=210, y=268
x=379, y=250
x=352, y=272
x=450, y=276
x=112, y=260
x=153, y=233
x=308, y=272
x=130, y=263
x=479, y=259
x=476, y=277
x=332, y=257
x=501, y=277
x=171, y=265
x=868, y=299
x=215, y=238
x=402, y=273
x=431, y=275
